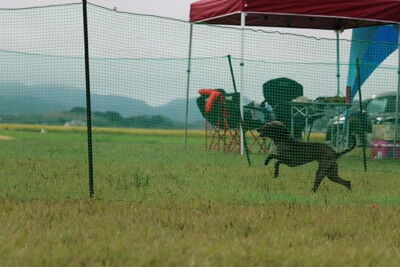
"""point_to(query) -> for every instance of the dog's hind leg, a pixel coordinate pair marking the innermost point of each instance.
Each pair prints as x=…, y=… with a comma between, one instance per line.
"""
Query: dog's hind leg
x=276, y=171
x=321, y=173
x=268, y=159
x=333, y=175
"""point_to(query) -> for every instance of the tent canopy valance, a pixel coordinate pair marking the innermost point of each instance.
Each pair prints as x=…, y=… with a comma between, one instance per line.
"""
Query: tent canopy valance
x=313, y=14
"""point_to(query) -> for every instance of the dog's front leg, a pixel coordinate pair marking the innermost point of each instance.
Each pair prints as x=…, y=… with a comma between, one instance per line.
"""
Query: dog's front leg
x=321, y=173
x=268, y=159
x=276, y=171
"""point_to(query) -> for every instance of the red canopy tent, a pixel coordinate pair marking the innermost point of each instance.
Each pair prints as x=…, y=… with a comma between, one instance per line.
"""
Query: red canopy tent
x=335, y=15
x=313, y=14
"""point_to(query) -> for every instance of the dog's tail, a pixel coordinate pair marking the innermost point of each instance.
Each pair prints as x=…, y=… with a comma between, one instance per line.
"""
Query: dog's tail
x=352, y=146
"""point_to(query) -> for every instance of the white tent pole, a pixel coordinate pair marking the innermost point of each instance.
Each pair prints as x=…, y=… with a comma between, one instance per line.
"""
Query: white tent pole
x=397, y=95
x=338, y=63
x=242, y=26
x=338, y=82
x=188, y=82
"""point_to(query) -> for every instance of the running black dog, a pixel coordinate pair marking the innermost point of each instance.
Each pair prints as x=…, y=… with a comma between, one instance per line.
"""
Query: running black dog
x=295, y=153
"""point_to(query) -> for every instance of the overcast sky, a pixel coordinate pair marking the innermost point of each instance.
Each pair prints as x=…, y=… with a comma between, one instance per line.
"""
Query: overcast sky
x=166, y=8
x=306, y=50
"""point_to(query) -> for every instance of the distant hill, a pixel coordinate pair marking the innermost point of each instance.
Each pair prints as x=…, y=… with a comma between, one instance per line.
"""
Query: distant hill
x=17, y=99
x=20, y=99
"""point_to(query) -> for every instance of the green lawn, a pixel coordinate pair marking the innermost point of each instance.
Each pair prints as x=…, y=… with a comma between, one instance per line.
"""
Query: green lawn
x=157, y=204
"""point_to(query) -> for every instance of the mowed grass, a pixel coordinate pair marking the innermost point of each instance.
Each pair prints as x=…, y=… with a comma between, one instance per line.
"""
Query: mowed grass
x=157, y=204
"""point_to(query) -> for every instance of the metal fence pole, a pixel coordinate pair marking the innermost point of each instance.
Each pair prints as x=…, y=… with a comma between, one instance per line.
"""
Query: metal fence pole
x=188, y=83
x=88, y=102
x=361, y=111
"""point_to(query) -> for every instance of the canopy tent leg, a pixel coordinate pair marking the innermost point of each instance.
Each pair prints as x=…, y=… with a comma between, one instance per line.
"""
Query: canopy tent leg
x=242, y=25
x=338, y=85
x=396, y=123
x=337, y=63
x=188, y=83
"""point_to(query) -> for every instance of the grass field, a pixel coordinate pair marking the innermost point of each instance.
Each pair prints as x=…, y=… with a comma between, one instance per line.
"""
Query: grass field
x=157, y=204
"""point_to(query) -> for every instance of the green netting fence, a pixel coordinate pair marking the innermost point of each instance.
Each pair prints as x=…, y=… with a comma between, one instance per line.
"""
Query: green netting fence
x=138, y=74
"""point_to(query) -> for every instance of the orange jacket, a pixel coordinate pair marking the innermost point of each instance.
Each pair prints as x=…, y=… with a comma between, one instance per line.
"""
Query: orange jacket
x=212, y=96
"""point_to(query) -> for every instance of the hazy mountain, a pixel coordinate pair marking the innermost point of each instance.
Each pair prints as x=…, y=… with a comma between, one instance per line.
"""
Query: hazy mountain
x=17, y=99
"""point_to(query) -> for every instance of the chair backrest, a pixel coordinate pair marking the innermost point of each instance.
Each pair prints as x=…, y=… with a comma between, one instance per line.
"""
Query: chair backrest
x=225, y=110
x=281, y=90
x=279, y=93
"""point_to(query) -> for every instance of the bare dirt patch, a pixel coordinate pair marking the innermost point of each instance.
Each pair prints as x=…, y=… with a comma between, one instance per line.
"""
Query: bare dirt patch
x=5, y=138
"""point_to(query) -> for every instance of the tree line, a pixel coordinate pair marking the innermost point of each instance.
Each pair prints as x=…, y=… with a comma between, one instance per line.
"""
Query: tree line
x=77, y=116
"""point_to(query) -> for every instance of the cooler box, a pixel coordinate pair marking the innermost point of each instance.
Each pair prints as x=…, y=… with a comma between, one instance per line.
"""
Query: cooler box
x=385, y=132
x=382, y=149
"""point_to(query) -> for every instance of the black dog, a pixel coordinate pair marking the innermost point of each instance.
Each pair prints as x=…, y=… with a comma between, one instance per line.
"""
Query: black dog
x=295, y=153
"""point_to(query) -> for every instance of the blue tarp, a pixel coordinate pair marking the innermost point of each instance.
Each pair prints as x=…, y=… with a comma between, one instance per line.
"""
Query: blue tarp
x=371, y=45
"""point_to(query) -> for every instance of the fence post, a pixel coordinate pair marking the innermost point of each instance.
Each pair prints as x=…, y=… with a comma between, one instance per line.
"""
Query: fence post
x=361, y=112
x=88, y=102
x=188, y=83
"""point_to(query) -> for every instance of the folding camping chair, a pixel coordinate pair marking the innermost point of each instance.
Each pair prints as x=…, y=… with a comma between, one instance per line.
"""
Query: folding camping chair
x=222, y=114
x=222, y=126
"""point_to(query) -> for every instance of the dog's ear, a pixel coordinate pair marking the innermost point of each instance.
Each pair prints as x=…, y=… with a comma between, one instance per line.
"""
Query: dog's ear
x=277, y=123
x=261, y=130
x=281, y=130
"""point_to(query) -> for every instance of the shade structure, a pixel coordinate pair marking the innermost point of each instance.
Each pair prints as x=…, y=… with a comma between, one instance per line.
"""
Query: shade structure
x=336, y=15
x=313, y=14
